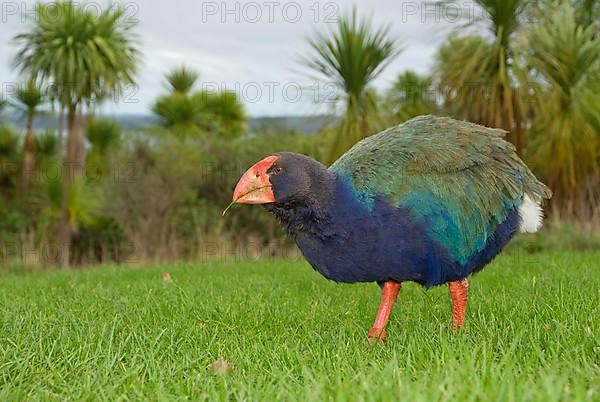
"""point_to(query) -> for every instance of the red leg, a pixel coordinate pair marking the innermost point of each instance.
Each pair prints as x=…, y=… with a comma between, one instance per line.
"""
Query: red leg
x=458, y=292
x=389, y=294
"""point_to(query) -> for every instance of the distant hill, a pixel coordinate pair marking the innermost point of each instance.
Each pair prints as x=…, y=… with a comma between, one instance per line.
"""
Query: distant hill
x=308, y=125
x=43, y=121
x=302, y=124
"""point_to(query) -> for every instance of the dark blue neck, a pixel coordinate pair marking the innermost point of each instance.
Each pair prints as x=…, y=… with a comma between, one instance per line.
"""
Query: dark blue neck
x=312, y=215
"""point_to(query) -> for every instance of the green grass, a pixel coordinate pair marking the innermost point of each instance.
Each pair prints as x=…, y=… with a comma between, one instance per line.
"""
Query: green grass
x=532, y=333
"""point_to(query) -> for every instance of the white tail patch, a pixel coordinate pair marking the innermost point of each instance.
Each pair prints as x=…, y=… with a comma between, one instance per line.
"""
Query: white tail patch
x=531, y=215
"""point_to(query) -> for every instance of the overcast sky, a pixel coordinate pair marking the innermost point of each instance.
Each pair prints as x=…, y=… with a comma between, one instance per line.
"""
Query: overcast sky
x=250, y=47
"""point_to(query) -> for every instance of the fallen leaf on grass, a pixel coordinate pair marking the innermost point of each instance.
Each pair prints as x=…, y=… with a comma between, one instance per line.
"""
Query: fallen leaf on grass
x=221, y=366
x=167, y=277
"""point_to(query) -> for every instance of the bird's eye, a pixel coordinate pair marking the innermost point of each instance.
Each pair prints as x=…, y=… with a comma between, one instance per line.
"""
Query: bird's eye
x=278, y=170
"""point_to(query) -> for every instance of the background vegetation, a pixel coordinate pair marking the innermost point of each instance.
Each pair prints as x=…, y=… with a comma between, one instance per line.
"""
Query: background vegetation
x=93, y=192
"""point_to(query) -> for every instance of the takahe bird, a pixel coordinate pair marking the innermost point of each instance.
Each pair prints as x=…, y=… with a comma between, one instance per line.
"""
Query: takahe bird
x=430, y=201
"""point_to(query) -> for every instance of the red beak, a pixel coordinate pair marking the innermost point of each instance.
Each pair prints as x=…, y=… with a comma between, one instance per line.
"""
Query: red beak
x=254, y=186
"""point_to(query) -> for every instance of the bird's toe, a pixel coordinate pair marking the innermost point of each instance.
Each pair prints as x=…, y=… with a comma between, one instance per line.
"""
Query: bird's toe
x=376, y=335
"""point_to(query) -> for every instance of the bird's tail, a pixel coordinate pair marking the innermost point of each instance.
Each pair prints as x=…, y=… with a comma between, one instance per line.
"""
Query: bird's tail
x=531, y=214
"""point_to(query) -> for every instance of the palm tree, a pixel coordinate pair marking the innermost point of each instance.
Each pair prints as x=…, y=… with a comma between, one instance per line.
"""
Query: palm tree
x=181, y=80
x=9, y=153
x=587, y=12
x=411, y=95
x=478, y=75
x=222, y=113
x=3, y=104
x=566, y=129
x=179, y=112
x=352, y=56
x=103, y=135
x=27, y=99
x=190, y=114
x=45, y=145
x=86, y=56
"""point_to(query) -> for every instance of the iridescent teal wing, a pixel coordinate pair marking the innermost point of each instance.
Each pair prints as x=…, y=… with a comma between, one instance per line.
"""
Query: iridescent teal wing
x=461, y=178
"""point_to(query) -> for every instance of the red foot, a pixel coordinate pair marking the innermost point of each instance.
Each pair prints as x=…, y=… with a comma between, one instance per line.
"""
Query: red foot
x=376, y=334
x=455, y=325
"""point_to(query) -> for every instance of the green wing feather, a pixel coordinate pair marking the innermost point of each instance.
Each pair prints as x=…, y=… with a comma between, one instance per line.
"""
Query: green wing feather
x=460, y=177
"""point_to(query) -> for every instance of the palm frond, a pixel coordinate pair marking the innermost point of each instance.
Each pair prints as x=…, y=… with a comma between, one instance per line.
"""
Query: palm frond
x=28, y=97
x=351, y=56
x=84, y=56
x=181, y=79
x=566, y=131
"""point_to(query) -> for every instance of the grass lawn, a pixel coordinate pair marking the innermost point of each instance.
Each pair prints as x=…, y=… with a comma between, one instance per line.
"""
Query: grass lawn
x=532, y=333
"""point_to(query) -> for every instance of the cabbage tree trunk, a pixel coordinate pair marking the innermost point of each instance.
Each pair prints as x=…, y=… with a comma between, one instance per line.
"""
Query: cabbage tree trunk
x=28, y=164
x=68, y=176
